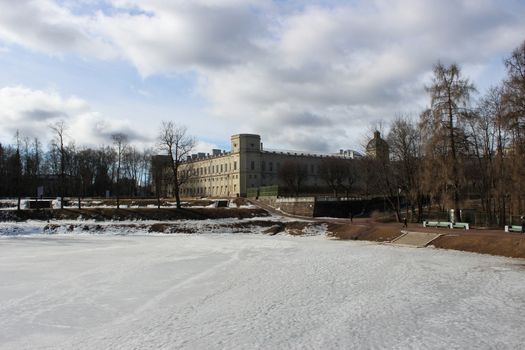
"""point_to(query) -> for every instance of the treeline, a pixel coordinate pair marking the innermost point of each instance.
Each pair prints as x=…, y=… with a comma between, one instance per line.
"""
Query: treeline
x=462, y=152
x=67, y=170
x=464, y=149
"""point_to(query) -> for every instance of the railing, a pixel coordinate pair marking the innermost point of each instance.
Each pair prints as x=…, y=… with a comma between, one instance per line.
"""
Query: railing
x=294, y=199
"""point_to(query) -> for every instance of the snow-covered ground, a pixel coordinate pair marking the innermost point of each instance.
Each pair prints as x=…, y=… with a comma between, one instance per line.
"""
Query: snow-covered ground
x=246, y=291
x=10, y=204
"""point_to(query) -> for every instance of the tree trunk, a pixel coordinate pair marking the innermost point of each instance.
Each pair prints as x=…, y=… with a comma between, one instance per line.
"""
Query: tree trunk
x=455, y=179
x=177, y=195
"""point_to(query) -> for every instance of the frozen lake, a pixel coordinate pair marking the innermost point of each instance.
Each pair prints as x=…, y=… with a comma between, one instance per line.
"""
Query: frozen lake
x=250, y=291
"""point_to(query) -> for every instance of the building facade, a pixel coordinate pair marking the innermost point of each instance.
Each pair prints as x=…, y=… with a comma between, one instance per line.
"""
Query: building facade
x=247, y=165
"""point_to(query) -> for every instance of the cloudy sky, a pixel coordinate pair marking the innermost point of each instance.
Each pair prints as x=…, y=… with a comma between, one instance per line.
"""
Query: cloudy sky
x=307, y=75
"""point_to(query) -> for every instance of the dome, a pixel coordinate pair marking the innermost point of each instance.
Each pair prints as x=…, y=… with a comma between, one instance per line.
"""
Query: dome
x=377, y=147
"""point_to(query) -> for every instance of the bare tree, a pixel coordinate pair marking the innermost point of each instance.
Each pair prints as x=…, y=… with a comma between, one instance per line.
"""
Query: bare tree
x=450, y=94
x=338, y=174
x=17, y=169
x=406, y=151
x=146, y=171
x=293, y=174
x=85, y=164
x=120, y=141
x=59, y=128
x=132, y=169
x=514, y=119
x=174, y=140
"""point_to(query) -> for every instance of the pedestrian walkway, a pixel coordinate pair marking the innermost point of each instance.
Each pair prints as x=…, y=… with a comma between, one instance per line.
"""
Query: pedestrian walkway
x=416, y=239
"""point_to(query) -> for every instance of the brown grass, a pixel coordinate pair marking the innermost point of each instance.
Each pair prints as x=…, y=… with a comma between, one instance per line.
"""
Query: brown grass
x=510, y=245
x=494, y=242
x=368, y=231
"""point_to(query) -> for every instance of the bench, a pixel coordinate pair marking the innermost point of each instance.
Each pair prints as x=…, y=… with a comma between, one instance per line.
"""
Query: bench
x=444, y=224
x=512, y=228
x=463, y=225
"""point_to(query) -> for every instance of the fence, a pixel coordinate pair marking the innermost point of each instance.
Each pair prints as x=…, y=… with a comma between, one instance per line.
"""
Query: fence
x=264, y=191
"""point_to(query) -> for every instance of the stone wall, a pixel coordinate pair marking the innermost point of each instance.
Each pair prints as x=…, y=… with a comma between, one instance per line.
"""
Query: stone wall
x=303, y=206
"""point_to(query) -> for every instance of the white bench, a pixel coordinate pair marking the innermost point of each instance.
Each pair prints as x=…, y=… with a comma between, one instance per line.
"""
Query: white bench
x=463, y=225
x=444, y=224
x=512, y=228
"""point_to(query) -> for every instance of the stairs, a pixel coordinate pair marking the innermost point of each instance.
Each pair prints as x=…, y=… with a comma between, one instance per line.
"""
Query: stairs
x=415, y=239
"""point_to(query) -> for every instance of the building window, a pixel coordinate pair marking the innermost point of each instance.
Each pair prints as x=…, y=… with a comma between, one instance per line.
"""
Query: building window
x=252, y=166
x=263, y=166
x=271, y=166
x=312, y=168
x=235, y=165
x=221, y=168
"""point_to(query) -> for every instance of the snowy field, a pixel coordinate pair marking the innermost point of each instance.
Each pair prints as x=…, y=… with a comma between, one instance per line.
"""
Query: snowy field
x=246, y=291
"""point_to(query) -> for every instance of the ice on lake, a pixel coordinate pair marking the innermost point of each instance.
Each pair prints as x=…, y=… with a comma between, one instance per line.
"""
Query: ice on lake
x=252, y=291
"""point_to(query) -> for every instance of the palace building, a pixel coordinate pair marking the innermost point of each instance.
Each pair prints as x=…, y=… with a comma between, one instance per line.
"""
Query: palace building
x=247, y=165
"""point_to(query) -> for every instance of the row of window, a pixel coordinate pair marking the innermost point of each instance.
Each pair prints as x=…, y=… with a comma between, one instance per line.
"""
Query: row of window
x=215, y=179
x=216, y=169
x=210, y=170
x=207, y=190
x=228, y=167
x=311, y=168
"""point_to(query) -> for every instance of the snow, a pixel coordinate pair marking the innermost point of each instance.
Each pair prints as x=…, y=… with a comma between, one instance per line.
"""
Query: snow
x=244, y=291
x=141, y=227
x=10, y=204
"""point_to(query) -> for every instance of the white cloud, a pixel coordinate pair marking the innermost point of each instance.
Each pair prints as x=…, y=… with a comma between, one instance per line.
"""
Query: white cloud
x=32, y=112
x=306, y=71
x=45, y=26
x=167, y=37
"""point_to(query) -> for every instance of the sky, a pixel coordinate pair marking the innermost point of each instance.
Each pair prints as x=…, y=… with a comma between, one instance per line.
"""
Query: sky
x=305, y=75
